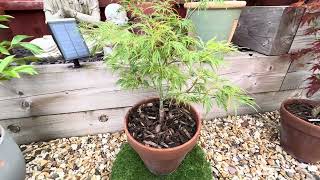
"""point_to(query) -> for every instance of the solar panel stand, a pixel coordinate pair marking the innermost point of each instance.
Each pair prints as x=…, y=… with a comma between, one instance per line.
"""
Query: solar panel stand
x=76, y=64
x=69, y=40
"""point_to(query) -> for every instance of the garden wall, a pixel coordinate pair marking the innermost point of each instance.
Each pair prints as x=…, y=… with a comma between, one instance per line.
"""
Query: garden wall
x=64, y=102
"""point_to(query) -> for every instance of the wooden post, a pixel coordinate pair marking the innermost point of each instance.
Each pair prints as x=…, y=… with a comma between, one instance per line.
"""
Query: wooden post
x=268, y=30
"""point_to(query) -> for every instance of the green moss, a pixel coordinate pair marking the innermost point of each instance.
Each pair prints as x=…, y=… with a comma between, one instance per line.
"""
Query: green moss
x=129, y=166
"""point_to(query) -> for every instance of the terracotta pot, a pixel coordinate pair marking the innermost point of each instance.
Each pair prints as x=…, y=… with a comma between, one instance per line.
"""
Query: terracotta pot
x=163, y=161
x=298, y=137
x=12, y=164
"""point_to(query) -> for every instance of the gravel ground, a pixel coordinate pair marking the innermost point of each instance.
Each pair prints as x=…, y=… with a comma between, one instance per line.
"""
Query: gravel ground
x=245, y=147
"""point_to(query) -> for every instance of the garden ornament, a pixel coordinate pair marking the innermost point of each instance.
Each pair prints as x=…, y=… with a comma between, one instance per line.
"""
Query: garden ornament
x=115, y=13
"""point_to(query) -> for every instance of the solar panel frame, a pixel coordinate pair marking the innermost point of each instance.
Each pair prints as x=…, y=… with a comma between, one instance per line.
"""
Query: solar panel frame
x=72, y=38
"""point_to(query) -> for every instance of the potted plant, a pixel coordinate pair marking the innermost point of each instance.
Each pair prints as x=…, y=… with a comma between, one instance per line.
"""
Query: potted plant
x=214, y=18
x=12, y=164
x=182, y=69
x=300, y=118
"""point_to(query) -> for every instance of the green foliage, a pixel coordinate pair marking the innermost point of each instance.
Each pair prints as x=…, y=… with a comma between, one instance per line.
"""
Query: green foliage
x=11, y=67
x=162, y=56
x=128, y=165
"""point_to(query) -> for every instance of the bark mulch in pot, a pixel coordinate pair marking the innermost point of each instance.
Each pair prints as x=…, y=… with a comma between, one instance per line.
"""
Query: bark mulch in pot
x=177, y=128
x=303, y=111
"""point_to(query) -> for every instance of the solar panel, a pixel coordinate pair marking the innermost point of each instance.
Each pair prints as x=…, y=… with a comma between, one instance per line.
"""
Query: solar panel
x=68, y=38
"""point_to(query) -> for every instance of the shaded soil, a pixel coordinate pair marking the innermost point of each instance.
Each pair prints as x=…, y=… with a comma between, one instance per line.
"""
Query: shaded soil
x=177, y=128
x=20, y=53
x=303, y=111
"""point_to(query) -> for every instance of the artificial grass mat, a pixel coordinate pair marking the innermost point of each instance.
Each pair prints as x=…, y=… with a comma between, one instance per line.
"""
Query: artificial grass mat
x=129, y=166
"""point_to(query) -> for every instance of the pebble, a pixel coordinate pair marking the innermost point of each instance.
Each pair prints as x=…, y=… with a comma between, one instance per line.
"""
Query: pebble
x=313, y=168
x=241, y=147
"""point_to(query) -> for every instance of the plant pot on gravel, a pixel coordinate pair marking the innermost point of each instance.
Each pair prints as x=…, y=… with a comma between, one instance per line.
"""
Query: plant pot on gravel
x=181, y=69
x=300, y=133
x=12, y=164
x=162, y=145
x=215, y=19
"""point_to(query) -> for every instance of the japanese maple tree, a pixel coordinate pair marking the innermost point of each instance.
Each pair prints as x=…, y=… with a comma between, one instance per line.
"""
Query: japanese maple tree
x=165, y=58
x=312, y=18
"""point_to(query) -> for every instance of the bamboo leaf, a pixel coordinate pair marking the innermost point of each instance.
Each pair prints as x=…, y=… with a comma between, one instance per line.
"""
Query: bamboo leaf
x=4, y=50
x=26, y=69
x=4, y=63
x=18, y=38
x=5, y=17
x=3, y=26
x=31, y=47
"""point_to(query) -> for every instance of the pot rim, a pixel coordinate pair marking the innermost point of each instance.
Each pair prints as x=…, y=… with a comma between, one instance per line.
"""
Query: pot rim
x=297, y=118
x=2, y=133
x=216, y=5
x=196, y=135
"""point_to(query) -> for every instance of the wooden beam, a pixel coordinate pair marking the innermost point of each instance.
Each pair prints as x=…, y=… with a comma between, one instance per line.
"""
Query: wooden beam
x=295, y=80
x=60, y=90
x=301, y=40
x=59, y=78
x=268, y=30
x=69, y=102
x=39, y=128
